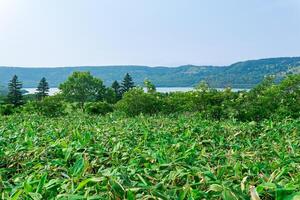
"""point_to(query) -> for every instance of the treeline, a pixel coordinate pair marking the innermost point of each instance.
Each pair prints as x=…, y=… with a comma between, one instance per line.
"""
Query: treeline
x=80, y=91
x=85, y=93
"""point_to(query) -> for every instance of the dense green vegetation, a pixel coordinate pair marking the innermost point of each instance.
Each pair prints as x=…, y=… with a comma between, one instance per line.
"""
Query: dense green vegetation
x=267, y=100
x=239, y=75
x=158, y=157
x=96, y=142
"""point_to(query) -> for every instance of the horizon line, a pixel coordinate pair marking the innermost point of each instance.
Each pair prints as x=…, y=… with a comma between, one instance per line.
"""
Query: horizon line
x=152, y=66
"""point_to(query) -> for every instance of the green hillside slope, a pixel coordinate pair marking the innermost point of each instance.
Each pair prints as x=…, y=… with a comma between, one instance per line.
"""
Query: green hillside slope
x=239, y=75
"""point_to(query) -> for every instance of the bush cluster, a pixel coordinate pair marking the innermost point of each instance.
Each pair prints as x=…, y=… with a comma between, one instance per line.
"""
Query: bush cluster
x=49, y=106
x=136, y=101
x=98, y=108
x=6, y=109
x=264, y=101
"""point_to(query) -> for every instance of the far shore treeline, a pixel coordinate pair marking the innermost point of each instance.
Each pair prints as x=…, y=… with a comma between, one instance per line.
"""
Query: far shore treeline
x=83, y=92
x=242, y=74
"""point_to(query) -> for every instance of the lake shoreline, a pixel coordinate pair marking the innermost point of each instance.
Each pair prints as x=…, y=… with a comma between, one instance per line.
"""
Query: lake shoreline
x=54, y=90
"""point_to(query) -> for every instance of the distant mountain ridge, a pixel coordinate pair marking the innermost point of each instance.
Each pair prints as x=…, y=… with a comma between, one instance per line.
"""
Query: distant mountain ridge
x=244, y=74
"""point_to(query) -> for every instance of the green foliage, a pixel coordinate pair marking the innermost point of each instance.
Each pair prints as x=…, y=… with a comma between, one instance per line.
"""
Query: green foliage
x=210, y=103
x=267, y=100
x=82, y=87
x=177, y=102
x=14, y=95
x=289, y=93
x=149, y=86
x=147, y=157
x=29, y=97
x=209, y=144
x=127, y=84
x=49, y=106
x=117, y=90
x=7, y=109
x=202, y=86
x=136, y=101
x=42, y=89
x=98, y=108
x=110, y=96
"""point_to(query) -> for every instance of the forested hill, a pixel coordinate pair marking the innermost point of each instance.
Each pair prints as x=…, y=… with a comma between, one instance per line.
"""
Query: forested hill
x=239, y=75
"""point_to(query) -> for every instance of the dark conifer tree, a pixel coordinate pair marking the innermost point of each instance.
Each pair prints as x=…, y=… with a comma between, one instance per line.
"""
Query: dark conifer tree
x=127, y=84
x=42, y=89
x=14, y=95
x=117, y=89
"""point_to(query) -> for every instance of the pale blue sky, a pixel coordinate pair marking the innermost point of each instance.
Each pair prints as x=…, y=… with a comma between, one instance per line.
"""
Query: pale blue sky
x=146, y=32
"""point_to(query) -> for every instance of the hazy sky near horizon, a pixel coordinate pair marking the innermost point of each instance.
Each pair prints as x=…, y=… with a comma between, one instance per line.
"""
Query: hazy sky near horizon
x=146, y=32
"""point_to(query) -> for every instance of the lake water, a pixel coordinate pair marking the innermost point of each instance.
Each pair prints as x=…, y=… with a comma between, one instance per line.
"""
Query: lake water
x=53, y=91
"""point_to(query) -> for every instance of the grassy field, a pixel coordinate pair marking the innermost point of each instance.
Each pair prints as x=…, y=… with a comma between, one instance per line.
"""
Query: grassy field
x=159, y=157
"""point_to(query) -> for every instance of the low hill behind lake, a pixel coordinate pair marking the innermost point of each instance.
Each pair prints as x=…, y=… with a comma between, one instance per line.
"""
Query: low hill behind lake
x=239, y=75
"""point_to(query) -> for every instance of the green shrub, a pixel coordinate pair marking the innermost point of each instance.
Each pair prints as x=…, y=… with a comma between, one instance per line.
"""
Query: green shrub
x=289, y=92
x=7, y=109
x=98, y=108
x=177, y=102
x=74, y=106
x=49, y=106
x=136, y=101
x=270, y=100
x=209, y=103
